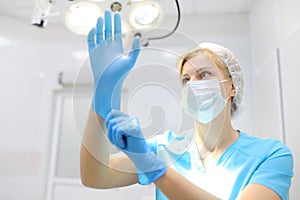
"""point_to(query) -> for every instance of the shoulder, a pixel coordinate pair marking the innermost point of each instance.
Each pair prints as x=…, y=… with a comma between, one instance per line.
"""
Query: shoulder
x=275, y=163
x=261, y=148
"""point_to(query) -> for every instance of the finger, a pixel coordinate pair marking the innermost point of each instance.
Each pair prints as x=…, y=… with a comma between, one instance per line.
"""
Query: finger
x=135, y=130
x=110, y=136
x=117, y=29
x=115, y=130
x=135, y=50
x=127, y=127
x=110, y=132
x=99, y=31
x=114, y=121
x=121, y=140
x=107, y=29
x=109, y=118
x=114, y=116
x=91, y=39
x=135, y=121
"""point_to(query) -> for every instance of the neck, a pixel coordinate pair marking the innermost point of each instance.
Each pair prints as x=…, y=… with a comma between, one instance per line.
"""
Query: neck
x=214, y=138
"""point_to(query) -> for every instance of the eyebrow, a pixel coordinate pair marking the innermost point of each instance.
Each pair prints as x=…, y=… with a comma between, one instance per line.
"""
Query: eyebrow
x=197, y=70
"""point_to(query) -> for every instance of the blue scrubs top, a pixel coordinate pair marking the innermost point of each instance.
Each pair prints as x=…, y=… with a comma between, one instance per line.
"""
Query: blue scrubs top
x=249, y=160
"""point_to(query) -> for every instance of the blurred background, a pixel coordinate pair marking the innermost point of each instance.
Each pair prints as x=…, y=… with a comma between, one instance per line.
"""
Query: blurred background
x=46, y=84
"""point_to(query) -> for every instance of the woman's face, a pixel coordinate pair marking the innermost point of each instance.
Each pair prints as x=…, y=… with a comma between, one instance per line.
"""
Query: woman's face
x=201, y=67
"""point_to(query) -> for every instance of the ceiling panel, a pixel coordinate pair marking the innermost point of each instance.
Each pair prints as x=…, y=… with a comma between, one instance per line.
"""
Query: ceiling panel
x=19, y=8
x=221, y=6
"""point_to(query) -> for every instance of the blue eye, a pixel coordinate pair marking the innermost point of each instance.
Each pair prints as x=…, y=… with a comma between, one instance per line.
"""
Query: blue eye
x=204, y=75
x=184, y=81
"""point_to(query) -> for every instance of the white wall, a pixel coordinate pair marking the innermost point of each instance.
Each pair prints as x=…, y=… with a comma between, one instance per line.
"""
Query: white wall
x=31, y=59
x=275, y=26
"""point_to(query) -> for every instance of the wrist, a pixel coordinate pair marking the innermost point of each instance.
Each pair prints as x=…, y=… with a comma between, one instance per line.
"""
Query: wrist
x=150, y=177
x=104, y=101
x=149, y=168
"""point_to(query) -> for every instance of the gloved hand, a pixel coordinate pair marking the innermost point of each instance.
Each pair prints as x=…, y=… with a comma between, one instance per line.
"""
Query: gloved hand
x=109, y=64
x=125, y=133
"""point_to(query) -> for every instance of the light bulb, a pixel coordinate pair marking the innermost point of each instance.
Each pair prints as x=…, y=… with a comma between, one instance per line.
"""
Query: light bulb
x=81, y=17
x=145, y=15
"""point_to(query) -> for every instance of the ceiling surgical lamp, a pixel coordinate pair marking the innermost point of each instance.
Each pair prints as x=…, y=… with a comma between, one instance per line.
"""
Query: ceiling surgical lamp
x=146, y=14
x=81, y=16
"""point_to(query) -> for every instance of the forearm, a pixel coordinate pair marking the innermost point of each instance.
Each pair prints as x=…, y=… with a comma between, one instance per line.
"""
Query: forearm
x=175, y=186
x=99, y=169
x=94, y=154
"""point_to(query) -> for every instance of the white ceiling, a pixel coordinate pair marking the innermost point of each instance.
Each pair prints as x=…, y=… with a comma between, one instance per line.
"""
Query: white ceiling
x=24, y=8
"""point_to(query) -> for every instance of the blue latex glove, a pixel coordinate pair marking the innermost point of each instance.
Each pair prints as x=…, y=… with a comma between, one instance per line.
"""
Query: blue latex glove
x=125, y=133
x=109, y=64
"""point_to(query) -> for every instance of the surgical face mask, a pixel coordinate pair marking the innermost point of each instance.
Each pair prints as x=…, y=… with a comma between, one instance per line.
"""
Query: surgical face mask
x=203, y=100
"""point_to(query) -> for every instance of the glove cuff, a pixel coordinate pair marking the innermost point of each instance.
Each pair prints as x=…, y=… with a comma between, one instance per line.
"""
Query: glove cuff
x=149, y=168
x=150, y=177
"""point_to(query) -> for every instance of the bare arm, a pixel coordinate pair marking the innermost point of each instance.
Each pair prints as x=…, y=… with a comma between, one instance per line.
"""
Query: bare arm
x=259, y=192
x=175, y=186
x=99, y=169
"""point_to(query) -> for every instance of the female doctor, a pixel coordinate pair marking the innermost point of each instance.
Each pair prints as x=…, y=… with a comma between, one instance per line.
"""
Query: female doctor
x=214, y=161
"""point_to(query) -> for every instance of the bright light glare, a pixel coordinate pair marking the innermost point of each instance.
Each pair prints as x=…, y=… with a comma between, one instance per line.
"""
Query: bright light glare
x=81, y=17
x=145, y=15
